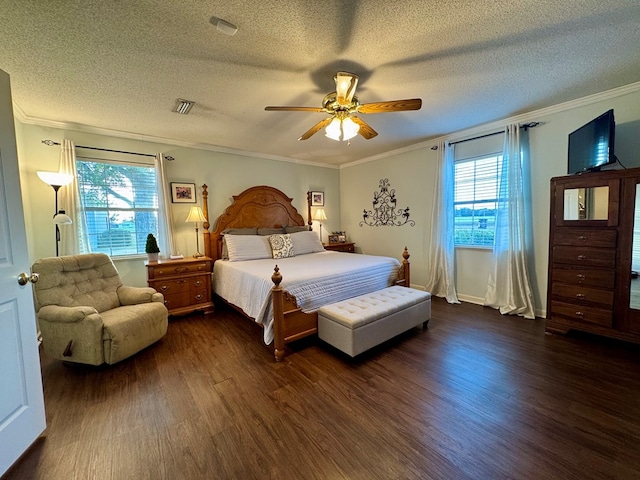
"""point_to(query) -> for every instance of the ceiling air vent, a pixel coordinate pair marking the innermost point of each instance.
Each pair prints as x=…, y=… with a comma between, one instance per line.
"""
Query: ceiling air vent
x=183, y=106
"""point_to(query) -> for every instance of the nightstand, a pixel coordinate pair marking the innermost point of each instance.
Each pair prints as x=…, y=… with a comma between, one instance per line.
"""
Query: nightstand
x=185, y=284
x=348, y=247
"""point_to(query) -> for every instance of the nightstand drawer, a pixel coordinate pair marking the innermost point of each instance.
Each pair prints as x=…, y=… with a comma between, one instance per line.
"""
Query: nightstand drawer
x=183, y=269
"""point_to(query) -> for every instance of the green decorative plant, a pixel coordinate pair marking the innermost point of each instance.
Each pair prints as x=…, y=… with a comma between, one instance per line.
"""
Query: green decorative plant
x=152, y=244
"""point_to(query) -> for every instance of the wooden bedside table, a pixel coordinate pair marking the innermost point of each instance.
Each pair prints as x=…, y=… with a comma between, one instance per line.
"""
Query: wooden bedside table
x=185, y=283
x=348, y=247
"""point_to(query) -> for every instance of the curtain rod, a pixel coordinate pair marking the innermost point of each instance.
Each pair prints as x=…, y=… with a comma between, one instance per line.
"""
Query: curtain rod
x=524, y=125
x=52, y=143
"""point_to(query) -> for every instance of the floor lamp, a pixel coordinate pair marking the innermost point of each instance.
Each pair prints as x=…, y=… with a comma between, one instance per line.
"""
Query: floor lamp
x=320, y=217
x=195, y=216
x=57, y=180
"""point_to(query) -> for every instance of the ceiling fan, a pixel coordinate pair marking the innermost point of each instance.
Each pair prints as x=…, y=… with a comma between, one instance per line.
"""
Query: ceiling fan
x=342, y=104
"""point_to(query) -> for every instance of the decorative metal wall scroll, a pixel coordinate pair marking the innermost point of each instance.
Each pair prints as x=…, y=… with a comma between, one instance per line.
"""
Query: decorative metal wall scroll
x=384, y=213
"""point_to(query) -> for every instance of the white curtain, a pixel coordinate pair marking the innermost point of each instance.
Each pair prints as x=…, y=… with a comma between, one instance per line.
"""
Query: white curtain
x=166, y=240
x=441, y=250
x=509, y=289
x=73, y=238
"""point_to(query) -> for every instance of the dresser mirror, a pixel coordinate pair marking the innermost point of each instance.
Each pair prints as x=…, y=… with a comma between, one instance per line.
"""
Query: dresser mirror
x=634, y=295
x=591, y=203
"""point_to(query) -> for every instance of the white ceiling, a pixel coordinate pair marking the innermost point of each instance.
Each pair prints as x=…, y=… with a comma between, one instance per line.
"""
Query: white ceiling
x=121, y=65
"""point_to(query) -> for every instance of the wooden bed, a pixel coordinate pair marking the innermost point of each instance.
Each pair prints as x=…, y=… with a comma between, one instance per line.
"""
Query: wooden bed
x=268, y=207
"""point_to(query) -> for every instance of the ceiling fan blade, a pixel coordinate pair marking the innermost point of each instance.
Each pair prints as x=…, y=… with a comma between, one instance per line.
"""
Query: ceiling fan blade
x=317, y=127
x=392, y=106
x=345, y=87
x=365, y=129
x=294, y=109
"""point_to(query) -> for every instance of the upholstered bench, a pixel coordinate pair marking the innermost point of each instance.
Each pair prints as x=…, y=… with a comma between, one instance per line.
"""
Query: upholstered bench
x=360, y=323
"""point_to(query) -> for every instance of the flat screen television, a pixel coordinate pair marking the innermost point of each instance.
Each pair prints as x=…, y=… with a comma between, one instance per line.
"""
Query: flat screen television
x=591, y=146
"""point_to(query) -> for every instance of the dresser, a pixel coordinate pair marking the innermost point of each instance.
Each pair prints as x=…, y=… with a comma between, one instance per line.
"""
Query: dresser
x=348, y=247
x=185, y=284
x=592, y=286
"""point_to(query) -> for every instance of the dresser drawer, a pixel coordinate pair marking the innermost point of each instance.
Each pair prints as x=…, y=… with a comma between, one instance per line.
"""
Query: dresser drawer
x=587, y=256
x=598, y=316
x=580, y=294
x=585, y=237
x=588, y=277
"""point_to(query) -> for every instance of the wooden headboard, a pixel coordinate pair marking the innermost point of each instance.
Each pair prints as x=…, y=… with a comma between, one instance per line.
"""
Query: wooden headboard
x=261, y=207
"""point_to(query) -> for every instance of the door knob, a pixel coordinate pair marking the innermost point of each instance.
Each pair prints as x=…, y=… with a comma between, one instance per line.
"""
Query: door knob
x=23, y=278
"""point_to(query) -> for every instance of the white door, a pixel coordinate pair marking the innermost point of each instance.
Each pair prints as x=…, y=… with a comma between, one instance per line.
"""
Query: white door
x=22, y=417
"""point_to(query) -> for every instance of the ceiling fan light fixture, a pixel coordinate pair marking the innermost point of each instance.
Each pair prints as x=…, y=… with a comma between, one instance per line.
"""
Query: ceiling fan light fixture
x=349, y=129
x=333, y=130
x=341, y=129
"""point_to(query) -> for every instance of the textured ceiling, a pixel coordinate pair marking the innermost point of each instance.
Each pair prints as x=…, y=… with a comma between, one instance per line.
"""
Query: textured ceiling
x=121, y=65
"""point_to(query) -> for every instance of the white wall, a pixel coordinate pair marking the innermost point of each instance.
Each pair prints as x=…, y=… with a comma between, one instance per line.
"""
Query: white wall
x=225, y=174
x=411, y=174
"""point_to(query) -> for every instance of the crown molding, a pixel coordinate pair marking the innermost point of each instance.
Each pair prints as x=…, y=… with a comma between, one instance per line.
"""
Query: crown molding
x=500, y=124
x=459, y=135
x=41, y=122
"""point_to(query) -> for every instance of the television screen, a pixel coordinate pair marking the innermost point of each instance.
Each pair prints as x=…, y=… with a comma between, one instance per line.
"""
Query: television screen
x=591, y=146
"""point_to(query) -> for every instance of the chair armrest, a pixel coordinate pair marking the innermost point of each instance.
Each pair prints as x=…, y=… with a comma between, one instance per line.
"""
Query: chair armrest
x=56, y=313
x=135, y=295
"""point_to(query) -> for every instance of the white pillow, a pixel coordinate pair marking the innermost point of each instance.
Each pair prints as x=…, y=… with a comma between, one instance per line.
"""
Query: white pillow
x=306, y=242
x=281, y=245
x=247, y=247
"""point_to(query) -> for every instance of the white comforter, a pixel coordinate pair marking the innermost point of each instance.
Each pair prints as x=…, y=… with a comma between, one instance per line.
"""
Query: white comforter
x=316, y=279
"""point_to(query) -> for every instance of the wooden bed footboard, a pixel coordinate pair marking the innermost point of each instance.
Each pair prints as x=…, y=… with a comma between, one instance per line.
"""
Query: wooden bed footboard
x=290, y=323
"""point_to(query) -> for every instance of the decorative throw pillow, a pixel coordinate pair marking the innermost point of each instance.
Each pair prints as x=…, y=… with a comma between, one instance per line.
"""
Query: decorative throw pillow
x=306, y=242
x=281, y=246
x=247, y=247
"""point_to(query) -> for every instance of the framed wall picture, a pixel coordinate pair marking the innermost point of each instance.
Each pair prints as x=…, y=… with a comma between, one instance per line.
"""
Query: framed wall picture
x=333, y=238
x=317, y=199
x=183, y=192
x=342, y=239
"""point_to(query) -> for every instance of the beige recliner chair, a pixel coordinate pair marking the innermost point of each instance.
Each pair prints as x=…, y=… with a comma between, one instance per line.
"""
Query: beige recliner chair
x=87, y=316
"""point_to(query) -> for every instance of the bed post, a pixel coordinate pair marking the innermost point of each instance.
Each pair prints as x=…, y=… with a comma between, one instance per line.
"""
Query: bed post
x=206, y=224
x=278, y=314
x=309, y=219
x=406, y=268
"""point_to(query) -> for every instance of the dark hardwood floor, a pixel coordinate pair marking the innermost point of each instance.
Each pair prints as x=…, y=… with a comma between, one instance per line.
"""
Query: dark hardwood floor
x=477, y=395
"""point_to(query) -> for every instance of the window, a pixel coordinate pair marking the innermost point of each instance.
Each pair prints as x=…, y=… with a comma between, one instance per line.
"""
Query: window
x=120, y=205
x=475, y=200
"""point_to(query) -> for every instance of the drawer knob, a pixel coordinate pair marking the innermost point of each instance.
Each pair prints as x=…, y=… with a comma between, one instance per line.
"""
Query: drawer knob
x=580, y=296
x=582, y=237
x=198, y=283
x=163, y=287
x=582, y=257
x=580, y=314
x=581, y=277
x=198, y=297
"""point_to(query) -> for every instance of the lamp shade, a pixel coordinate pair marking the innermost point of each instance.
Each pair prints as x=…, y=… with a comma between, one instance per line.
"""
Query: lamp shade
x=319, y=215
x=195, y=215
x=61, y=218
x=55, y=178
x=341, y=129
